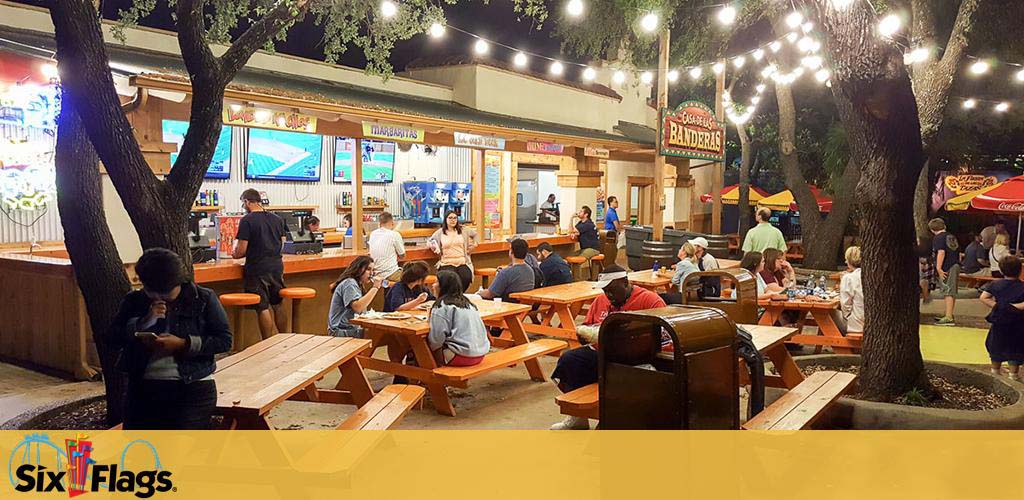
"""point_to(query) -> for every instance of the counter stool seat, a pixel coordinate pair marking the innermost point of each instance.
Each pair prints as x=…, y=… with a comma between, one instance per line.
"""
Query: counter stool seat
x=576, y=261
x=235, y=302
x=296, y=294
x=598, y=261
x=485, y=274
x=430, y=279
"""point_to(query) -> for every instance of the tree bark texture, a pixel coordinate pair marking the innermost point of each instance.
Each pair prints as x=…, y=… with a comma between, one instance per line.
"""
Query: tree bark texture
x=99, y=271
x=743, y=206
x=822, y=236
x=876, y=103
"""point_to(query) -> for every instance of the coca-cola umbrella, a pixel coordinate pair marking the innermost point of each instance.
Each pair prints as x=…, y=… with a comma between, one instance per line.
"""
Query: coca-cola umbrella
x=1007, y=197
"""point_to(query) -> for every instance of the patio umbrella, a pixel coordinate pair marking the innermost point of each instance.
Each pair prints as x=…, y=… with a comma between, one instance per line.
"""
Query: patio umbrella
x=1006, y=197
x=963, y=202
x=731, y=195
x=785, y=201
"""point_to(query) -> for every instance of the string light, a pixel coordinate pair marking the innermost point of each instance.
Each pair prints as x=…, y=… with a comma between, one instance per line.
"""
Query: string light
x=889, y=25
x=718, y=68
x=695, y=72
x=388, y=9
x=619, y=77
x=556, y=68
x=739, y=61
x=822, y=75
x=794, y=19
x=49, y=71
x=437, y=30
x=519, y=60
x=757, y=54
x=979, y=68
x=841, y=4
x=589, y=74
x=649, y=22
x=481, y=47
x=970, y=104
x=807, y=27
x=917, y=55
x=1020, y=76
x=792, y=37
x=811, y=62
x=574, y=8
x=1002, y=107
x=646, y=77
x=673, y=76
x=727, y=15
x=775, y=46
x=760, y=87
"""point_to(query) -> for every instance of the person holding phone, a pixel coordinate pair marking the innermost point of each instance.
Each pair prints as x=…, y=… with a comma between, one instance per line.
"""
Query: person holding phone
x=168, y=333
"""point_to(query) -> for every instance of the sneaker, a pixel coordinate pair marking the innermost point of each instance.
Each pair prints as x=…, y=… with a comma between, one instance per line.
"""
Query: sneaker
x=572, y=423
x=945, y=321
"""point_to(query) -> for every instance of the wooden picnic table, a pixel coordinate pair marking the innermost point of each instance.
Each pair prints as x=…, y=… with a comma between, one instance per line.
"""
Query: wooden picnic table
x=655, y=282
x=286, y=366
x=402, y=336
x=821, y=313
x=560, y=301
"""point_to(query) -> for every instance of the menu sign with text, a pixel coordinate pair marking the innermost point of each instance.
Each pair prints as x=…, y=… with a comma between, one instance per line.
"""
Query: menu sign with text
x=478, y=141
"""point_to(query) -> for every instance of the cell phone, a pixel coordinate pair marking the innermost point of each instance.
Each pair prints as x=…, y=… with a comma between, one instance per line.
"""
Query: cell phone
x=384, y=284
x=144, y=335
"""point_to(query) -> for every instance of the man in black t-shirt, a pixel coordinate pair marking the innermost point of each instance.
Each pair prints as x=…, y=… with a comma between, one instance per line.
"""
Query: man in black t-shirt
x=261, y=236
x=946, y=249
x=586, y=233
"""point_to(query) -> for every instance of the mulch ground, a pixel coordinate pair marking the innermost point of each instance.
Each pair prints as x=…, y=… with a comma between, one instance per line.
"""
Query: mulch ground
x=947, y=394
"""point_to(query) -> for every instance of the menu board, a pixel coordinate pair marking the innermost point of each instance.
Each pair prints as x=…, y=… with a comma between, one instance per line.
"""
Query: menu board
x=492, y=190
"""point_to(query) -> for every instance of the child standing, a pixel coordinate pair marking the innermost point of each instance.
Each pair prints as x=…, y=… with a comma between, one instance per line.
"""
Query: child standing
x=1005, y=341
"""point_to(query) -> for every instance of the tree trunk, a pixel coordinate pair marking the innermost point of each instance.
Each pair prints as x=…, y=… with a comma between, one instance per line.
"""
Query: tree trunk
x=822, y=236
x=873, y=94
x=743, y=205
x=922, y=202
x=99, y=271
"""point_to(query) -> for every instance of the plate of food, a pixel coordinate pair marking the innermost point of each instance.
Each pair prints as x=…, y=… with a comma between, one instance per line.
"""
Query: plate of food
x=425, y=306
x=396, y=315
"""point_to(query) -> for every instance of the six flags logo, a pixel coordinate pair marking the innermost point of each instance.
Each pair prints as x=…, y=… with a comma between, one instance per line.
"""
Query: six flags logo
x=75, y=471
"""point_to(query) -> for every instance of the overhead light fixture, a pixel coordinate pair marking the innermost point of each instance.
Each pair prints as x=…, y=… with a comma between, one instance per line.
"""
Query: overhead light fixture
x=727, y=15
x=574, y=8
x=481, y=47
x=388, y=9
x=649, y=22
x=437, y=30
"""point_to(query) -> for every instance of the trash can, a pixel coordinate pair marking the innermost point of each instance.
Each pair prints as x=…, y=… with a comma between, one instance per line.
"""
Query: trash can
x=635, y=238
x=608, y=248
x=740, y=307
x=690, y=383
x=718, y=245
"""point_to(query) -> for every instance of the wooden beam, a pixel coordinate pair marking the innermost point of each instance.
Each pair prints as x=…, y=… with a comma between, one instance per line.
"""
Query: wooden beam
x=658, y=205
x=718, y=170
x=357, y=202
x=477, y=201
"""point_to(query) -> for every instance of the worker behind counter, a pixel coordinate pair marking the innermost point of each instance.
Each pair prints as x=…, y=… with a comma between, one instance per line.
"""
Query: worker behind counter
x=548, y=210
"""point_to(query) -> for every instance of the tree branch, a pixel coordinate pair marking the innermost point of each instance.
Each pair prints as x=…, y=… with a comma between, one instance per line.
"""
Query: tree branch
x=195, y=52
x=273, y=22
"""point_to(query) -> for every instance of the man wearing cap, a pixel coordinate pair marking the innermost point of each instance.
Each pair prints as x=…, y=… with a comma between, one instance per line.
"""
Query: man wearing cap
x=710, y=286
x=578, y=367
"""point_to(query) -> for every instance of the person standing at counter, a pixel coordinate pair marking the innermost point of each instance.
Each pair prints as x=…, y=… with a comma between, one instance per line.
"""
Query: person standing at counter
x=312, y=224
x=586, y=233
x=348, y=298
x=386, y=247
x=261, y=236
x=170, y=367
x=454, y=244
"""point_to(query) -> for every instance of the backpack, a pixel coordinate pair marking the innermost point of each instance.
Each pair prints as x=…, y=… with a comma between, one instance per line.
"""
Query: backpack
x=951, y=243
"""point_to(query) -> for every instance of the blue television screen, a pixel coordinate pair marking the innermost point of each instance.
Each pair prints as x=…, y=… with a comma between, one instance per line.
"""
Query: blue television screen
x=220, y=166
x=378, y=160
x=280, y=155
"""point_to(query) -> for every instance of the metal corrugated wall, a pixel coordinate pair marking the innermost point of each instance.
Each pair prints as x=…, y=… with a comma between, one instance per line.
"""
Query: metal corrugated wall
x=444, y=163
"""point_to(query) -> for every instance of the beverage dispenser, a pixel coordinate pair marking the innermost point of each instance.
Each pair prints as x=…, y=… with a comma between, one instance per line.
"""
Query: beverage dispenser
x=437, y=201
x=458, y=200
x=669, y=368
x=414, y=201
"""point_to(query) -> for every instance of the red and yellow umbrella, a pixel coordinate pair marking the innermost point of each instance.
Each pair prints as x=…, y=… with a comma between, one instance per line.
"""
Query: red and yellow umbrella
x=785, y=201
x=963, y=202
x=1005, y=197
x=731, y=195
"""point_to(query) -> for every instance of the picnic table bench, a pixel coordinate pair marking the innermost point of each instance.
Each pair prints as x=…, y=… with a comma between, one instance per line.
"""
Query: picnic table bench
x=769, y=340
x=821, y=314
x=976, y=281
x=804, y=404
x=402, y=336
x=286, y=366
x=563, y=302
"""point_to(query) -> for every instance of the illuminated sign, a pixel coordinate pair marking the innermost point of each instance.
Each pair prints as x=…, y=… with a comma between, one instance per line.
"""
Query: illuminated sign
x=967, y=183
x=393, y=132
x=246, y=116
x=691, y=131
x=544, y=147
x=478, y=141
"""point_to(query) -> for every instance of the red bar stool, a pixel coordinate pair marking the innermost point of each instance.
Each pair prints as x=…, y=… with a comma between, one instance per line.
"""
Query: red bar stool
x=576, y=261
x=296, y=294
x=597, y=260
x=485, y=274
x=234, y=302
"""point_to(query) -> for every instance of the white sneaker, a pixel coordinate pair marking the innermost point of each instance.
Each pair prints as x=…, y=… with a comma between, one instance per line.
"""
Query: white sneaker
x=572, y=423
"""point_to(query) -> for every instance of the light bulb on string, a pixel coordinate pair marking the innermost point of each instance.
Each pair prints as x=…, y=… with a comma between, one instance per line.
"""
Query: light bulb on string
x=574, y=8
x=794, y=19
x=646, y=77
x=756, y=99
x=760, y=87
x=841, y=4
x=481, y=47
x=769, y=70
x=739, y=61
x=727, y=15
x=437, y=30
x=757, y=54
x=49, y=71
x=520, y=60
x=1020, y=76
x=917, y=55
x=970, y=104
x=775, y=46
x=619, y=77
x=792, y=36
x=589, y=74
x=822, y=75
x=718, y=68
x=388, y=8
x=1002, y=107
x=807, y=27
x=672, y=76
x=556, y=68
x=811, y=62
x=889, y=25
x=649, y=22
x=806, y=44
x=979, y=67
x=695, y=72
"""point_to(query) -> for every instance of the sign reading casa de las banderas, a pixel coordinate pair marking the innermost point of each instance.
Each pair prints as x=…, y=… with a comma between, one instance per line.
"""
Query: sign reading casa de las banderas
x=691, y=131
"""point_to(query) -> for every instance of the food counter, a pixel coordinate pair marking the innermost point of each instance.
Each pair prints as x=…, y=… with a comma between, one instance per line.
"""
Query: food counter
x=54, y=333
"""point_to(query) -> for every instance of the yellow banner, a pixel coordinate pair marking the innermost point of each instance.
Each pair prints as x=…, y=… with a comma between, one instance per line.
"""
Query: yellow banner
x=393, y=132
x=247, y=116
x=539, y=465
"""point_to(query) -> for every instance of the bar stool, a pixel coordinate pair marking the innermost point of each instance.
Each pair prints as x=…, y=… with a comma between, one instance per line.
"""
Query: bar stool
x=485, y=273
x=296, y=293
x=597, y=260
x=576, y=261
x=235, y=302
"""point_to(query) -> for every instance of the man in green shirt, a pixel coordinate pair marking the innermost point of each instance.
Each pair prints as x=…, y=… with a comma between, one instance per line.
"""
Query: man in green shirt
x=764, y=235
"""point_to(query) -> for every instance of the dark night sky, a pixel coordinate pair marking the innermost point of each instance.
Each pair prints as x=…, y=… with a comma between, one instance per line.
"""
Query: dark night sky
x=495, y=21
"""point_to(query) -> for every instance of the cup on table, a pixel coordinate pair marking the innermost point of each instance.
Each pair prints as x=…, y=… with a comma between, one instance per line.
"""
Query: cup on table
x=497, y=299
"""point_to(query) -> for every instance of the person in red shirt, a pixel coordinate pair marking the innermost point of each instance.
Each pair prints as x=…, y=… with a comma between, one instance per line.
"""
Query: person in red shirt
x=578, y=367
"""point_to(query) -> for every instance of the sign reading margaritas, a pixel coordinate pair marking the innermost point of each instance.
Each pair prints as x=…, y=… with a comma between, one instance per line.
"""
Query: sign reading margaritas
x=691, y=131
x=393, y=132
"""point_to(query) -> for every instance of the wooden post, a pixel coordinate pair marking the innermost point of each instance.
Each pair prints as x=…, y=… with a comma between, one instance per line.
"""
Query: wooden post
x=658, y=211
x=357, y=194
x=477, y=198
x=718, y=172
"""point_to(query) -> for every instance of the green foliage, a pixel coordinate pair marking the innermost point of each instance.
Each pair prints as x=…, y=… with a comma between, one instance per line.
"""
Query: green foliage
x=914, y=397
x=835, y=151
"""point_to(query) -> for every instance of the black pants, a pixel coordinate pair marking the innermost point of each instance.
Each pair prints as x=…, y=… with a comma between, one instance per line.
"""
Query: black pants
x=170, y=404
x=464, y=272
x=576, y=368
x=672, y=297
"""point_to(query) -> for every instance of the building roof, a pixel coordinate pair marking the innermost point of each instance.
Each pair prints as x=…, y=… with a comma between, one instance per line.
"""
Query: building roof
x=129, y=60
x=464, y=59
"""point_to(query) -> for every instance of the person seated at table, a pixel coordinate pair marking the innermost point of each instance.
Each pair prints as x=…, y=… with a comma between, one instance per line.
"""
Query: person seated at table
x=1005, y=340
x=711, y=286
x=754, y=262
x=170, y=382
x=348, y=298
x=454, y=244
x=586, y=233
x=777, y=270
x=578, y=367
x=976, y=258
x=410, y=291
x=555, y=269
x=687, y=264
x=519, y=277
x=1000, y=250
x=457, y=335
x=851, y=295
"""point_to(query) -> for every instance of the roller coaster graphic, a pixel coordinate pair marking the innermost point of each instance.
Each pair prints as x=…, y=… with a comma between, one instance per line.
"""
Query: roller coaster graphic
x=51, y=455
